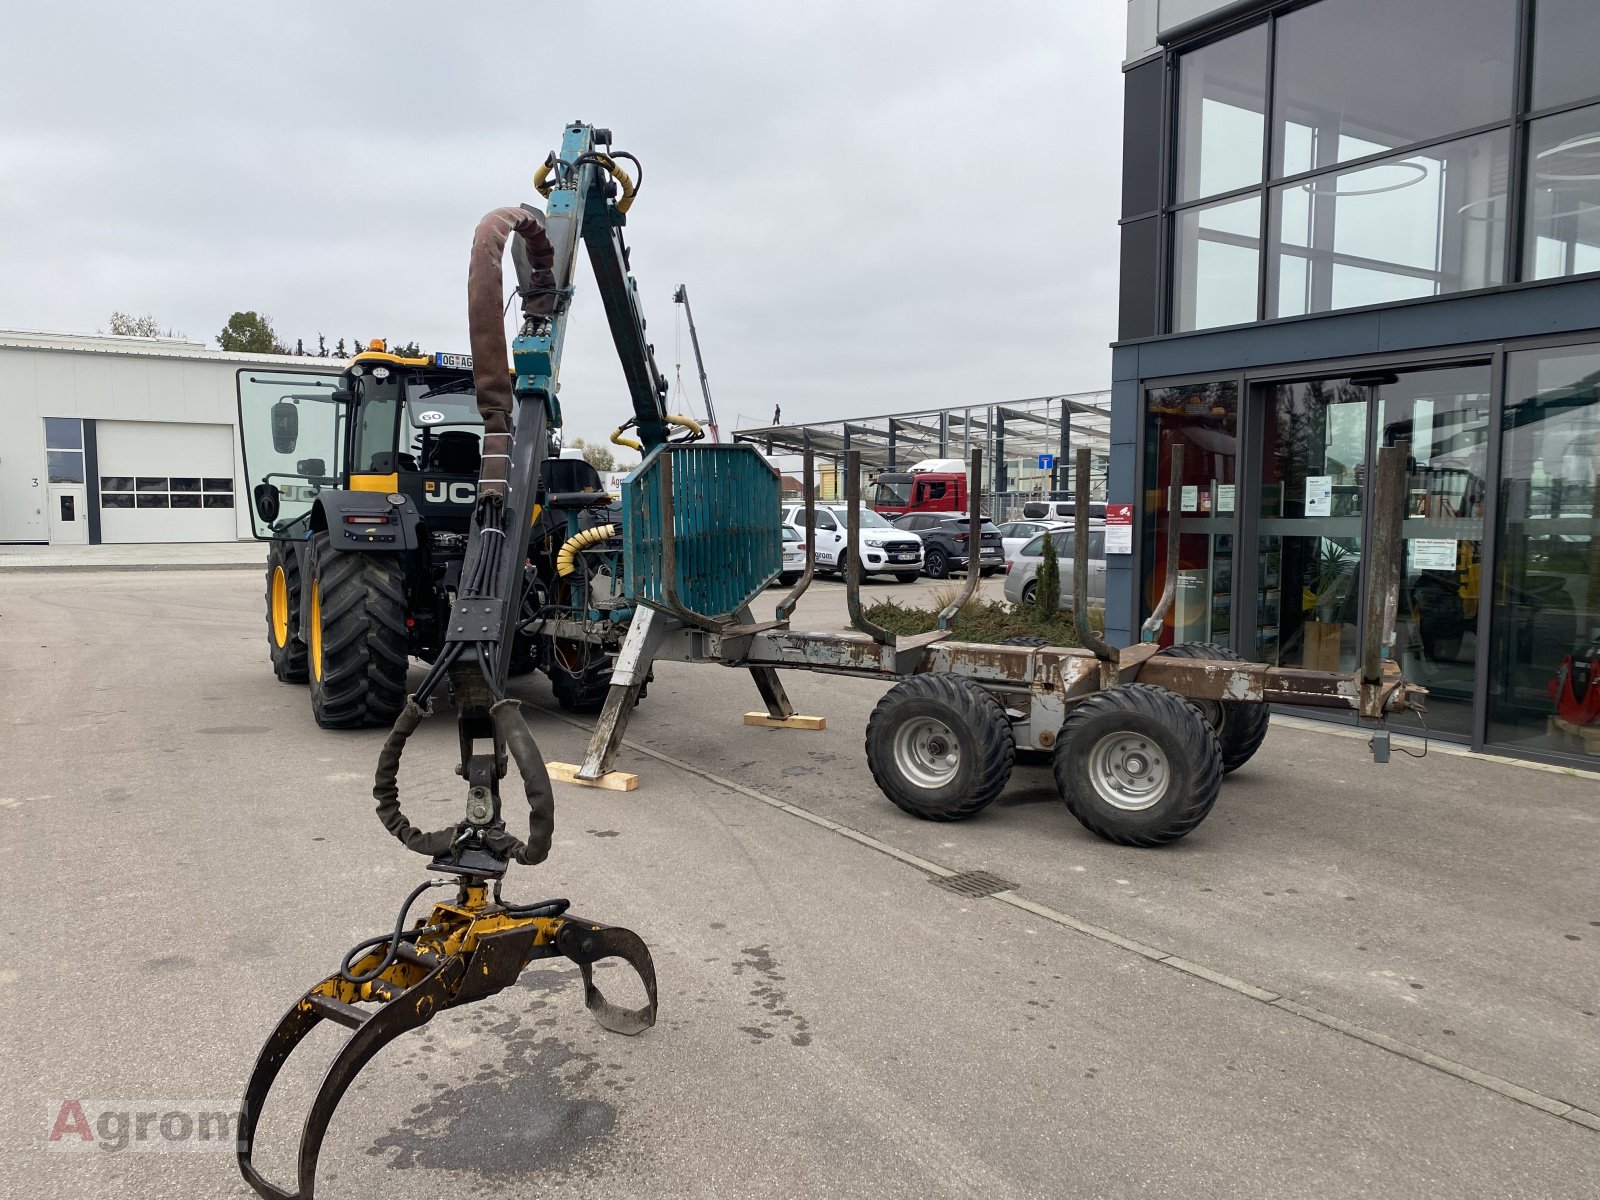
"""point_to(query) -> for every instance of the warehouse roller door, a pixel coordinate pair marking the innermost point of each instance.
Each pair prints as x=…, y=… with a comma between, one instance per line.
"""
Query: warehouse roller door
x=165, y=483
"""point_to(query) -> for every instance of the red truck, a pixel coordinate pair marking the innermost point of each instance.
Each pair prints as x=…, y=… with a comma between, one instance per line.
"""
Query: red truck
x=936, y=485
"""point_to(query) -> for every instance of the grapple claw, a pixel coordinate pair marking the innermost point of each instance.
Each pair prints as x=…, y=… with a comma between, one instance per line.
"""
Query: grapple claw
x=586, y=945
x=464, y=952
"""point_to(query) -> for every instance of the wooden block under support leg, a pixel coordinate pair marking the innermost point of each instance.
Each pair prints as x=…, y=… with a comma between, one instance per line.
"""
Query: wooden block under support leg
x=796, y=721
x=612, y=781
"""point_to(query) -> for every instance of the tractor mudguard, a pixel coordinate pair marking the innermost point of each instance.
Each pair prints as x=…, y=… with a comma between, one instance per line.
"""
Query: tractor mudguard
x=352, y=520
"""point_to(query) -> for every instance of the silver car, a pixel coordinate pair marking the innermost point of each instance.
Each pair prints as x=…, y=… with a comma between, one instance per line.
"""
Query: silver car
x=1022, y=570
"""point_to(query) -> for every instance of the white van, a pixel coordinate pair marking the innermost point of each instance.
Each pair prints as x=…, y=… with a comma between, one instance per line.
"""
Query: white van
x=1060, y=510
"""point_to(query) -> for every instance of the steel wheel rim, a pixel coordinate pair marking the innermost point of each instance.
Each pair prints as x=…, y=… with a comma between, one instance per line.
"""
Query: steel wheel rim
x=316, y=630
x=280, y=608
x=1129, y=771
x=926, y=752
x=1214, y=712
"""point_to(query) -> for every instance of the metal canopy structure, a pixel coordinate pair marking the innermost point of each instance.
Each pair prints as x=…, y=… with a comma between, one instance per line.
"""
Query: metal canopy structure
x=1015, y=436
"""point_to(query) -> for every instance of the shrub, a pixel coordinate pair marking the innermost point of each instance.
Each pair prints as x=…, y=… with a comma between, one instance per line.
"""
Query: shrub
x=1048, y=594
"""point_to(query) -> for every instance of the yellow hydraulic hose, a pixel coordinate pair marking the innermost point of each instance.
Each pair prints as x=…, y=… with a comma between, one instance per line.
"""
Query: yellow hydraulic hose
x=631, y=443
x=542, y=184
x=688, y=423
x=567, y=556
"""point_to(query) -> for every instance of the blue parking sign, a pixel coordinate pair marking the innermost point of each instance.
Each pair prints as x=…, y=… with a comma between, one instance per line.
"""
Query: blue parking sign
x=1047, y=462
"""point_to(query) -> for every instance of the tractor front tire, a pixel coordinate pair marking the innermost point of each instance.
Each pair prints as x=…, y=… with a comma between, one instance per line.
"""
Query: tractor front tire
x=1240, y=726
x=1137, y=765
x=940, y=747
x=284, y=647
x=359, y=646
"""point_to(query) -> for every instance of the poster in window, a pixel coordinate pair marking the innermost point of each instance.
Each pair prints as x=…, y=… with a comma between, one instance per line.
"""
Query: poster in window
x=1319, y=495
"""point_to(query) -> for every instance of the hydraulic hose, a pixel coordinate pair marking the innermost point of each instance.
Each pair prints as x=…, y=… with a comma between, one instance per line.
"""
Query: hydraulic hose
x=567, y=556
x=487, y=329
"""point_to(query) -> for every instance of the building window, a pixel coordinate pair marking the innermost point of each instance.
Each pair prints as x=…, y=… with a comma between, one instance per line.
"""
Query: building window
x=1565, y=34
x=1544, y=677
x=63, y=449
x=1357, y=77
x=1222, y=96
x=1424, y=225
x=1217, y=253
x=157, y=491
x=1563, y=195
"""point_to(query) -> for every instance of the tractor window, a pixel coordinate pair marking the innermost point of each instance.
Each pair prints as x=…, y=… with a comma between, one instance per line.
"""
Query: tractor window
x=292, y=438
x=377, y=424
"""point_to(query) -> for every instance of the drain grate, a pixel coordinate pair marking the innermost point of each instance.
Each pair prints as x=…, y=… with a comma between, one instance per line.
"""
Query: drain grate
x=974, y=883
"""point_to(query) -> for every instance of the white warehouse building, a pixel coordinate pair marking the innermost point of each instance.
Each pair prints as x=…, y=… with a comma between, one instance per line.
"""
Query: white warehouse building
x=123, y=439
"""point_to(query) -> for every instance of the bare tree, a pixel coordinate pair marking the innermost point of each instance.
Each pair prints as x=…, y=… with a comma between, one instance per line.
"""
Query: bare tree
x=127, y=325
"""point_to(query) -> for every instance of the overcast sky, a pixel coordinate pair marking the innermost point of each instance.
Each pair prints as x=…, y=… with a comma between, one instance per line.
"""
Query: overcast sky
x=876, y=206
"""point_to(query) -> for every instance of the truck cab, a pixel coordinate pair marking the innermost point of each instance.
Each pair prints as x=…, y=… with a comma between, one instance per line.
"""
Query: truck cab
x=899, y=492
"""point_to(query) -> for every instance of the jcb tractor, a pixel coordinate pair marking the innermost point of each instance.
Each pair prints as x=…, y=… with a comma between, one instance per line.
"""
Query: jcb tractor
x=363, y=487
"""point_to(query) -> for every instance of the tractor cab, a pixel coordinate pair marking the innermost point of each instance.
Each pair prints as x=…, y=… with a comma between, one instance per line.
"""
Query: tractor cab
x=386, y=424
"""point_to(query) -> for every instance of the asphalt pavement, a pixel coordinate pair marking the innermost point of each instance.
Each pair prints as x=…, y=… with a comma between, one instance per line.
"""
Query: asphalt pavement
x=1351, y=980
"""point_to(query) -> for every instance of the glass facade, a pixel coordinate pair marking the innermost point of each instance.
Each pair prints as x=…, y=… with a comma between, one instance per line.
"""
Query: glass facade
x=1565, y=34
x=1395, y=142
x=1563, y=194
x=1544, y=677
x=1353, y=78
x=1422, y=225
x=1222, y=104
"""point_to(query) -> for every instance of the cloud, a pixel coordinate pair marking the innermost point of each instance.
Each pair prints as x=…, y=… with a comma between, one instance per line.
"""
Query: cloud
x=875, y=207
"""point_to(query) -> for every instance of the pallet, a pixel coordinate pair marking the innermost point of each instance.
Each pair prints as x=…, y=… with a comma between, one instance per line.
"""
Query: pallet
x=1587, y=736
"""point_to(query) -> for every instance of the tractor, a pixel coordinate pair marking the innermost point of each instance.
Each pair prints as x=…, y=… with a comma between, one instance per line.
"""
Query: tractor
x=364, y=484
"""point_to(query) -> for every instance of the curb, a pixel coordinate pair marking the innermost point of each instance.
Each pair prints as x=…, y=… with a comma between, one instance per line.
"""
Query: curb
x=73, y=568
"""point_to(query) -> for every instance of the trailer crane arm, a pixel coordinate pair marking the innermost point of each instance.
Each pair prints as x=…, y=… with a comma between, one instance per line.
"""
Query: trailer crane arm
x=477, y=943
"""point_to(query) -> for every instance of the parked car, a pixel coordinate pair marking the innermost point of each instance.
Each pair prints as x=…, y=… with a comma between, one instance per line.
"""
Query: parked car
x=1022, y=572
x=1014, y=535
x=794, y=556
x=1060, y=510
x=885, y=550
x=944, y=543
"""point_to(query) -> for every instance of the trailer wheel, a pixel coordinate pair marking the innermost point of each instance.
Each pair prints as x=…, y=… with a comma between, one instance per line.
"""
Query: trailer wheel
x=287, y=651
x=1137, y=765
x=940, y=747
x=1026, y=639
x=359, y=647
x=1240, y=727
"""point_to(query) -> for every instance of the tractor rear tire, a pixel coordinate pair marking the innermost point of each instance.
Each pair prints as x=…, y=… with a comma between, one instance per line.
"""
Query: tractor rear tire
x=940, y=747
x=359, y=646
x=1137, y=765
x=284, y=647
x=1240, y=726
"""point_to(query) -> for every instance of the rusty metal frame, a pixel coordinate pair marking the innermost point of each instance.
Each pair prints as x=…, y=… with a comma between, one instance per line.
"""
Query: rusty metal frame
x=852, y=547
x=1080, y=563
x=947, y=614
x=786, y=606
x=1151, y=629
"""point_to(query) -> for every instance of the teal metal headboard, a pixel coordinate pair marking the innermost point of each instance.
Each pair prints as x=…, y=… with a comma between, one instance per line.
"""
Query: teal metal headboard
x=701, y=530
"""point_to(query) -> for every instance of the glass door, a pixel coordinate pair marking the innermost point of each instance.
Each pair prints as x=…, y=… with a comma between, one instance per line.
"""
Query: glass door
x=1309, y=528
x=1444, y=415
x=1319, y=443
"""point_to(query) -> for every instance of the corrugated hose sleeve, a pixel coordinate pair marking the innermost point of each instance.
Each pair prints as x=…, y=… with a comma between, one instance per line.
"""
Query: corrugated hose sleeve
x=514, y=732
x=386, y=790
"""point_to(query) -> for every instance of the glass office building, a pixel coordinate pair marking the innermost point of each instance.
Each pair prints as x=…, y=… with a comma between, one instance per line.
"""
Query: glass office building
x=1349, y=224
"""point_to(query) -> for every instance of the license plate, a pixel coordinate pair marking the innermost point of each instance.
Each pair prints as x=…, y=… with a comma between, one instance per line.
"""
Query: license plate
x=990, y=552
x=903, y=557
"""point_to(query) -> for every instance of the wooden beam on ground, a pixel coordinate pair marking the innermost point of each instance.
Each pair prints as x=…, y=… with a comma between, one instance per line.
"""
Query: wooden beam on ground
x=612, y=781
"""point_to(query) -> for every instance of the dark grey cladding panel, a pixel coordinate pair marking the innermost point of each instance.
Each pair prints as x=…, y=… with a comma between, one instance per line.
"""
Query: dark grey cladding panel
x=1124, y=411
x=1571, y=307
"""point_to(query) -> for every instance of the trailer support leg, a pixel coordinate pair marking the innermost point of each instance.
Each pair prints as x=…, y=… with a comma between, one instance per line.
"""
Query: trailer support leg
x=645, y=634
x=780, y=713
